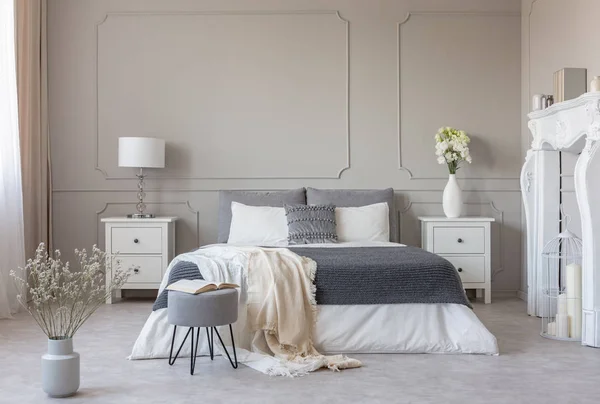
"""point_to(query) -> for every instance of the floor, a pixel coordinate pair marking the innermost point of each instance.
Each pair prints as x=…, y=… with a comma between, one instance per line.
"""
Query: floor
x=529, y=370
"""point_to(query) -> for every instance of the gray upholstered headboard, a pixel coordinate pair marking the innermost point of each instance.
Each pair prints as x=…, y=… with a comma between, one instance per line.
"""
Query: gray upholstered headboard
x=311, y=196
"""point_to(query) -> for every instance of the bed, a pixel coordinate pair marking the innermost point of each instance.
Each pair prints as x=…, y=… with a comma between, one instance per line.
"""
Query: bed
x=390, y=317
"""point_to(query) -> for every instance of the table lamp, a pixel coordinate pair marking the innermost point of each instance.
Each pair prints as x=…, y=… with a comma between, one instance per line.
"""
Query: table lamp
x=141, y=152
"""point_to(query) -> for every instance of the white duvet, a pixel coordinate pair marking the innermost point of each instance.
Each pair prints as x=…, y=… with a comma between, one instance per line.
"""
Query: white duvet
x=393, y=328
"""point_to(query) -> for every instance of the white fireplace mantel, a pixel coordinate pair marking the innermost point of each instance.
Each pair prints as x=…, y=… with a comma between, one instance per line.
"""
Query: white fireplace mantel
x=571, y=126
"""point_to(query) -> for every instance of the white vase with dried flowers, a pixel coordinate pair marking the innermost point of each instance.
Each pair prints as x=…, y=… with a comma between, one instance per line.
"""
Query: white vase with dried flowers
x=61, y=300
x=452, y=148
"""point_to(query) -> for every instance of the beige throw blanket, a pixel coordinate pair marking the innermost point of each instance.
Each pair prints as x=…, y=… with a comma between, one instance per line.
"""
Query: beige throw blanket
x=282, y=310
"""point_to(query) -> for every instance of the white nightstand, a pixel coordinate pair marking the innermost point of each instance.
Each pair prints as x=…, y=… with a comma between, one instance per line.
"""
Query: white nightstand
x=466, y=243
x=148, y=245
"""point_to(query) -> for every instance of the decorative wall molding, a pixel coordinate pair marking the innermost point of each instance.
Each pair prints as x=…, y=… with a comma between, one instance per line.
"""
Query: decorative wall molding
x=531, y=8
x=186, y=204
x=401, y=167
x=195, y=190
x=500, y=217
x=334, y=13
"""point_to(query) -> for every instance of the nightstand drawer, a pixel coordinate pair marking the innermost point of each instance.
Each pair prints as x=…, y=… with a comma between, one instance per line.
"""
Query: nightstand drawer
x=144, y=269
x=136, y=240
x=470, y=269
x=459, y=240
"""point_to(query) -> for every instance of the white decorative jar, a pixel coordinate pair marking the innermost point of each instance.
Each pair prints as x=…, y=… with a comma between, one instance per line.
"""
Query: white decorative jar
x=452, y=198
x=537, y=102
x=595, y=85
x=60, y=368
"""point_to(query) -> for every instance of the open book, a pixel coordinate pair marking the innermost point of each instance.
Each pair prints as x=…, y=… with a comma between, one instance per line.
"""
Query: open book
x=199, y=286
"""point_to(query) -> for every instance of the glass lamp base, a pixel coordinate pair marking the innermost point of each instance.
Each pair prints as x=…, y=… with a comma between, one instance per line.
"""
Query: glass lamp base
x=141, y=216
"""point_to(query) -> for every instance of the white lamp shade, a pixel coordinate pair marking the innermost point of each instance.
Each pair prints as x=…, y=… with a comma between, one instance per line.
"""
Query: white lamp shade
x=141, y=152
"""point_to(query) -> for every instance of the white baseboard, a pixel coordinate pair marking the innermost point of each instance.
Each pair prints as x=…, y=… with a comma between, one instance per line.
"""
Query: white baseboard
x=503, y=293
x=510, y=293
x=522, y=295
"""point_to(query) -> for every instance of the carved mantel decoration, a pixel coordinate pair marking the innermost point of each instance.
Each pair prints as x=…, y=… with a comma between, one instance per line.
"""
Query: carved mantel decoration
x=572, y=126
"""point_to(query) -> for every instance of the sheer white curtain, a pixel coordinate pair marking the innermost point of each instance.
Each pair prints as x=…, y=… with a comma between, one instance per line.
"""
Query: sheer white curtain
x=12, y=250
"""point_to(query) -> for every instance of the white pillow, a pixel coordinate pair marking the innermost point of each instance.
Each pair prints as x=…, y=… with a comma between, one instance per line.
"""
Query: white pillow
x=257, y=225
x=364, y=223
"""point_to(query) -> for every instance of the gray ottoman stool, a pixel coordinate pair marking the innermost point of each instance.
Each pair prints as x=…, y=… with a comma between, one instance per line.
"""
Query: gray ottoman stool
x=209, y=310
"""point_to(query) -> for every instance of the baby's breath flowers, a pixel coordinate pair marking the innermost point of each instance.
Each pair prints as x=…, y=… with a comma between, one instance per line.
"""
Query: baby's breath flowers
x=62, y=299
x=452, y=147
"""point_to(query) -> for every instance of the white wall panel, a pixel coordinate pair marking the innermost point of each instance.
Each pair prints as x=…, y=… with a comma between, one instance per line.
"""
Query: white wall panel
x=457, y=69
x=226, y=89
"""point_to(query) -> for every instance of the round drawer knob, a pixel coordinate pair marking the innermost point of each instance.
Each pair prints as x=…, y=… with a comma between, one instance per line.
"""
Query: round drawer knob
x=135, y=240
x=137, y=271
x=459, y=269
x=460, y=240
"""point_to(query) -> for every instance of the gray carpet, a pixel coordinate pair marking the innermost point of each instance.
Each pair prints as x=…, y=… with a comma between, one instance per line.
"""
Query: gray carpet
x=530, y=369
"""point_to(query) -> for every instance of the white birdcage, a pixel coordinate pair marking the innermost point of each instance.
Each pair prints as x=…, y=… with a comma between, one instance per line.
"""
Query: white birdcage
x=561, y=305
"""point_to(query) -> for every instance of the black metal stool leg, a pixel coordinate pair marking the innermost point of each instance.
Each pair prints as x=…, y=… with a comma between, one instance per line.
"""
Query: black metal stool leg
x=194, y=346
x=233, y=345
x=172, y=360
x=172, y=343
x=194, y=352
x=225, y=349
x=210, y=343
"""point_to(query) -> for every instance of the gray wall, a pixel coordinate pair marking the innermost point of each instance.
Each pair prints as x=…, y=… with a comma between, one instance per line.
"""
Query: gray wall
x=274, y=95
x=557, y=34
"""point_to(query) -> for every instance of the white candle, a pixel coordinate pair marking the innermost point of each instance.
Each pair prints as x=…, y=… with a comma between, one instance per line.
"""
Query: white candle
x=551, y=329
x=562, y=325
x=574, y=299
x=562, y=303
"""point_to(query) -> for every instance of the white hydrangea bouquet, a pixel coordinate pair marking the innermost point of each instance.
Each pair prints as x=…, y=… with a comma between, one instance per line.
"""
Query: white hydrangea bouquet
x=61, y=300
x=452, y=148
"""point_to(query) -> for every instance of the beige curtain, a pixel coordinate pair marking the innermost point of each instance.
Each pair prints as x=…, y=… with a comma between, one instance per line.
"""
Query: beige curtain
x=32, y=92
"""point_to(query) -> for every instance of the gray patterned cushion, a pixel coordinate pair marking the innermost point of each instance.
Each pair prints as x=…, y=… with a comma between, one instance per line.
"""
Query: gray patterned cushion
x=310, y=224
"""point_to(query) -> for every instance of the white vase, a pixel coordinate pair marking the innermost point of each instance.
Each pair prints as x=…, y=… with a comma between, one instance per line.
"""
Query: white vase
x=452, y=198
x=595, y=85
x=60, y=368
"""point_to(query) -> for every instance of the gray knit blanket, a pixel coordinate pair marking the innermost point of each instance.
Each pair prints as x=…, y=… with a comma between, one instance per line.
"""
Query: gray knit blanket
x=181, y=270
x=383, y=275
x=366, y=275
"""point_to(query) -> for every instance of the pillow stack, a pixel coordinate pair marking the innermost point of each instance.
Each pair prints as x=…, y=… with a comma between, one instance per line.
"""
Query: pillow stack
x=306, y=216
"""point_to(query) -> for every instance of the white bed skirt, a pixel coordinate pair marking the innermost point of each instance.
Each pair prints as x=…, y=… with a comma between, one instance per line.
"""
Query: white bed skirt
x=389, y=328
x=402, y=328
